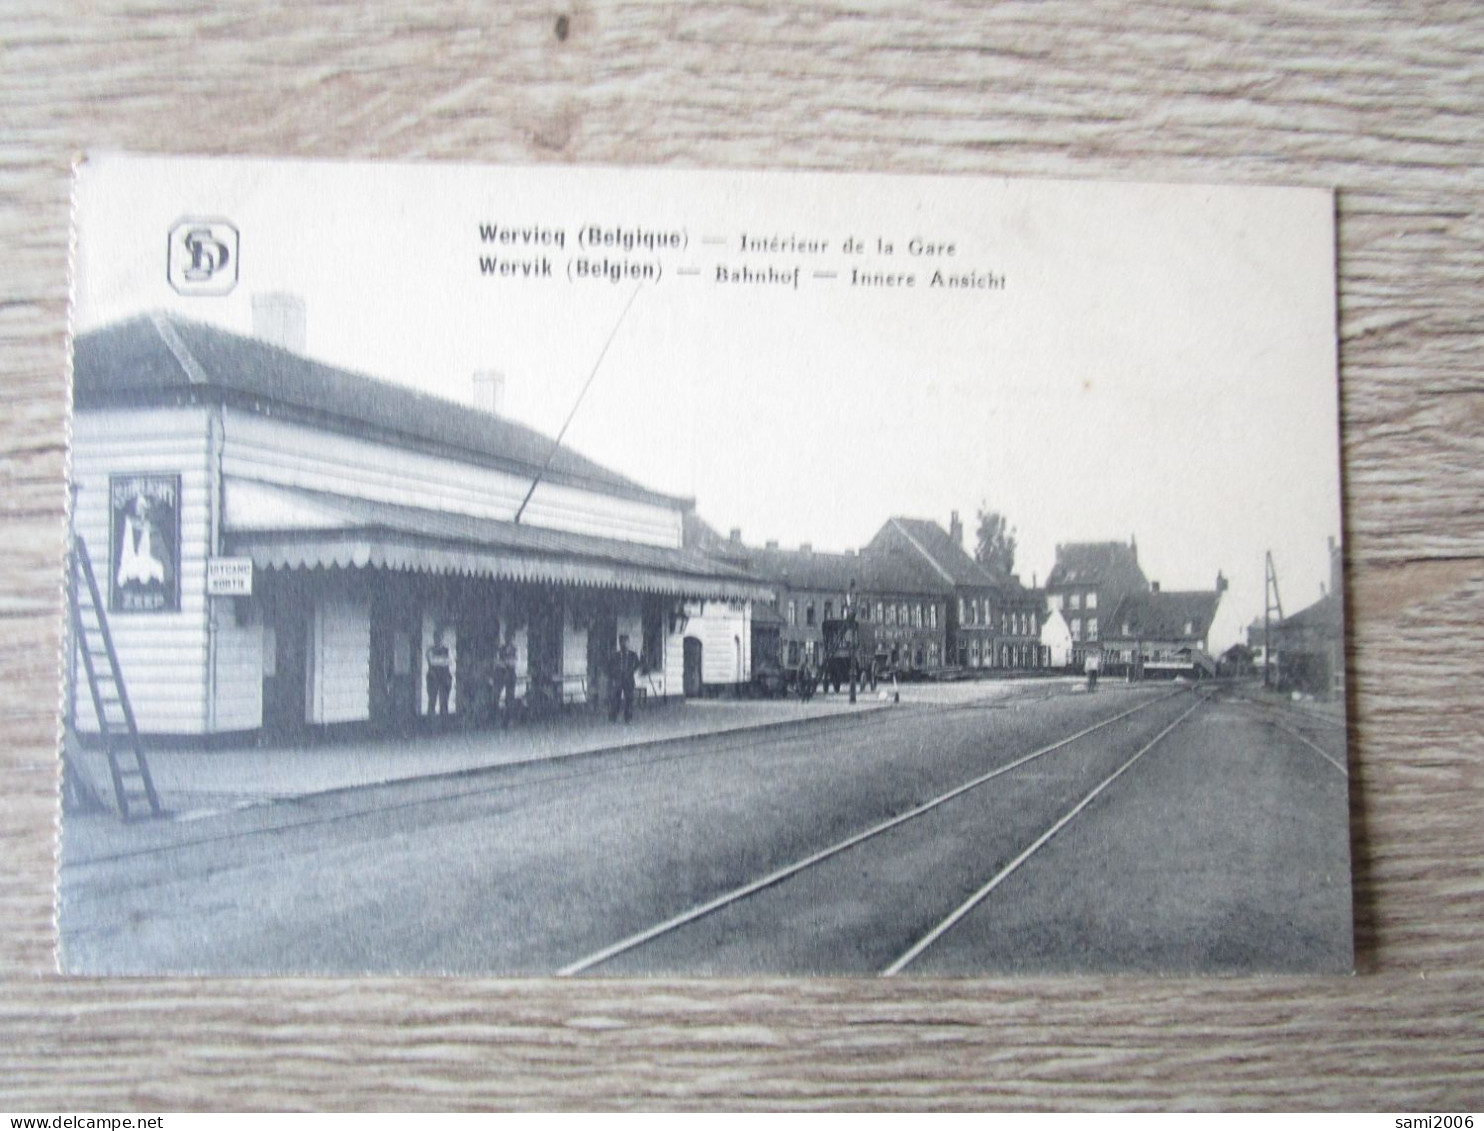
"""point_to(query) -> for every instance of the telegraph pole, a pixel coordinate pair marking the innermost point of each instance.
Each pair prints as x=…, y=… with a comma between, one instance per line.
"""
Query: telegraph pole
x=1272, y=603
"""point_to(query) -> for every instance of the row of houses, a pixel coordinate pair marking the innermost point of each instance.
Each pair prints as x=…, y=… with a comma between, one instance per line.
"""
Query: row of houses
x=921, y=602
x=286, y=545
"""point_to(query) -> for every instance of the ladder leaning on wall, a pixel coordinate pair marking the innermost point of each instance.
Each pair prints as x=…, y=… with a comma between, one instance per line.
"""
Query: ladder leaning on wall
x=132, y=784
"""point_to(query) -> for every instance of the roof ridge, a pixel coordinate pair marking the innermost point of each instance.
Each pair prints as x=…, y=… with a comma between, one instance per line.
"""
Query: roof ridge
x=165, y=327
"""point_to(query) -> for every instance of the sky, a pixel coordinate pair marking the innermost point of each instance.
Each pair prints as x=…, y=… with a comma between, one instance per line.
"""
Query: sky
x=1154, y=361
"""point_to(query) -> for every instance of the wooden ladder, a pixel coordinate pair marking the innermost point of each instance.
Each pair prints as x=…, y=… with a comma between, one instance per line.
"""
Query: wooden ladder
x=132, y=784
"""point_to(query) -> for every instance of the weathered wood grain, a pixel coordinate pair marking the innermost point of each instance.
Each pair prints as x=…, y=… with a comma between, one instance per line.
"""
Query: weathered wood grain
x=1384, y=102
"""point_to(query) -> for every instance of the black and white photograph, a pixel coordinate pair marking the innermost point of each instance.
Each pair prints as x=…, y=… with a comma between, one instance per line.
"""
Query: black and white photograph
x=601, y=572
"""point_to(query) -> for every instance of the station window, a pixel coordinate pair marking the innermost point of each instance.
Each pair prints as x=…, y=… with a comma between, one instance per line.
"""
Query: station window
x=879, y=612
x=809, y=614
x=1076, y=630
x=793, y=614
x=829, y=610
x=933, y=615
x=1092, y=600
x=1074, y=600
x=1092, y=628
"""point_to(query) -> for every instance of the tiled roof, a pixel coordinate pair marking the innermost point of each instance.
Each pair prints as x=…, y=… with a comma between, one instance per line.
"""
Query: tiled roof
x=872, y=573
x=1097, y=563
x=930, y=540
x=160, y=358
x=1164, y=615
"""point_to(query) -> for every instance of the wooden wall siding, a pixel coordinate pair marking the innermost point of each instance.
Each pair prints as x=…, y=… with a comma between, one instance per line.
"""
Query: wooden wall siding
x=237, y=685
x=279, y=452
x=163, y=655
x=718, y=628
x=341, y=689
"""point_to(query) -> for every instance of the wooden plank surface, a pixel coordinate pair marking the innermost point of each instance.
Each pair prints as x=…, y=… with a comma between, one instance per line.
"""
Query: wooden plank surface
x=1384, y=102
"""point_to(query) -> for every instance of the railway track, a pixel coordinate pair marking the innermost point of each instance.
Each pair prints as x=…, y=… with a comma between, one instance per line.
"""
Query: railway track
x=795, y=871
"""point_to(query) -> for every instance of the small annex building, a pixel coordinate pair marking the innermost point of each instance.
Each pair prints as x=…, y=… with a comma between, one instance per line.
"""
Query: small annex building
x=373, y=517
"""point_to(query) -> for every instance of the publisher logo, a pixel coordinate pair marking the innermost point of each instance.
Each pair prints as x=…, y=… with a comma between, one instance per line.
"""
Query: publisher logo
x=202, y=258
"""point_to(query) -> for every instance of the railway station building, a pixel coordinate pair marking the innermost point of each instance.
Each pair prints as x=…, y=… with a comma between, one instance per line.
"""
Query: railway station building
x=280, y=543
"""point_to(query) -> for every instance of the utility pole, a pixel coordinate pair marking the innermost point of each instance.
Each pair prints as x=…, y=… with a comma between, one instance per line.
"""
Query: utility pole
x=1272, y=603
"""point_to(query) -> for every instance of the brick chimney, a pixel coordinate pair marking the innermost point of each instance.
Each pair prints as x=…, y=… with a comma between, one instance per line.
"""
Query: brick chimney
x=772, y=544
x=806, y=547
x=956, y=530
x=735, y=537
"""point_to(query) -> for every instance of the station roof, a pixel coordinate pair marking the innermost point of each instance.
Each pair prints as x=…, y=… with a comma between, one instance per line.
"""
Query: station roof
x=164, y=359
x=349, y=532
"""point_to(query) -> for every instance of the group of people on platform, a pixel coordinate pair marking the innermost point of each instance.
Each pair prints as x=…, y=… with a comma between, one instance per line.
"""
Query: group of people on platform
x=623, y=665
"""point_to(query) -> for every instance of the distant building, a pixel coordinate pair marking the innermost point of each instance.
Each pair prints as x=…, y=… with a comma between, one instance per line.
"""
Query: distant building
x=1162, y=633
x=1087, y=583
x=1305, y=651
x=1056, y=640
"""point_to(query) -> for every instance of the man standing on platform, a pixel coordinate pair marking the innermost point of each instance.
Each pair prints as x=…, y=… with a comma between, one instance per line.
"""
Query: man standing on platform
x=621, y=671
x=505, y=664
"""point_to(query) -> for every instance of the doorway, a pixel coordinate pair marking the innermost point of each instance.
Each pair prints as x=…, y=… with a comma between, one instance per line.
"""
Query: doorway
x=287, y=613
x=394, y=658
x=692, y=667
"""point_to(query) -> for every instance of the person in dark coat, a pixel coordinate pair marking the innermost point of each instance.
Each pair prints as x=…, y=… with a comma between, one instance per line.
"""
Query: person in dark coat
x=440, y=675
x=621, y=669
x=505, y=664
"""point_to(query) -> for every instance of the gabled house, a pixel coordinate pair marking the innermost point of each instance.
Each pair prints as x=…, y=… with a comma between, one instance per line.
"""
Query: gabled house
x=993, y=621
x=1162, y=632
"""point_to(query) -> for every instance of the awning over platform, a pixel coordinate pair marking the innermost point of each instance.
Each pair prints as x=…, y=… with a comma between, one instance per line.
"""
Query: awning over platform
x=357, y=533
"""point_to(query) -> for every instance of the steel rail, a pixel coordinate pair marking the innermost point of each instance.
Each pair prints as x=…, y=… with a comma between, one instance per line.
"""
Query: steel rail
x=1004, y=873
x=1314, y=746
x=777, y=876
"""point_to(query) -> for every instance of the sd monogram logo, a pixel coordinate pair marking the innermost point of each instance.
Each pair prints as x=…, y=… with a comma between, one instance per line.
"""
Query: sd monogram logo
x=202, y=257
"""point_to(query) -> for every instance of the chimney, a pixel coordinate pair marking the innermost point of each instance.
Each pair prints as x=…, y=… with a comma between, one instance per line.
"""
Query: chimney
x=735, y=537
x=850, y=553
x=1221, y=582
x=806, y=547
x=278, y=318
x=1133, y=544
x=489, y=390
x=772, y=544
x=956, y=530
x=1154, y=587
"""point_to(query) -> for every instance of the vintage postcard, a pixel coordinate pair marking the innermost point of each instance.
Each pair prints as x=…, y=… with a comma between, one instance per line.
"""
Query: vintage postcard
x=613, y=572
